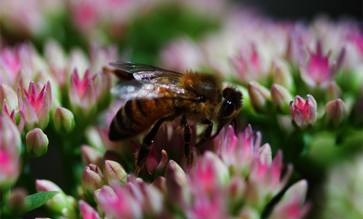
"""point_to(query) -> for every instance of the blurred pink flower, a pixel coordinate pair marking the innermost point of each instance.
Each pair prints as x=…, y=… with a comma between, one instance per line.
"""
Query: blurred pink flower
x=318, y=72
x=236, y=150
x=250, y=66
x=119, y=203
x=304, y=113
x=87, y=211
x=265, y=180
x=10, y=65
x=57, y=61
x=357, y=39
x=82, y=94
x=36, y=105
x=7, y=93
x=10, y=168
x=180, y=55
x=10, y=146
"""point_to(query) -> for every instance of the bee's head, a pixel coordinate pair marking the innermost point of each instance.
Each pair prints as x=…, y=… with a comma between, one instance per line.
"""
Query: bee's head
x=231, y=105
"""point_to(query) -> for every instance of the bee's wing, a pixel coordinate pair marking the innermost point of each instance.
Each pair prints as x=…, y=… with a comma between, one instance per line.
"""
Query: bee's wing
x=147, y=90
x=142, y=72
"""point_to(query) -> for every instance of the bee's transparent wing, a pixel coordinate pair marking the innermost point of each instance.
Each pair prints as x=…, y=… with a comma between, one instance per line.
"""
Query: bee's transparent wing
x=142, y=72
x=146, y=90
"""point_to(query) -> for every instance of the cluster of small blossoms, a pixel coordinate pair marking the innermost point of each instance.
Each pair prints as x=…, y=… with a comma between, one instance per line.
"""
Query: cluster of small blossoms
x=95, y=20
x=32, y=19
x=274, y=61
x=235, y=177
x=58, y=91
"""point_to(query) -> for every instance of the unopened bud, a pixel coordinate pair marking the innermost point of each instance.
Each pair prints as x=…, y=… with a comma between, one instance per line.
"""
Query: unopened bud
x=260, y=96
x=91, y=155
x=36, y=142
x=281, y=97
x=335, y=112
x=281, y=74
x=92, y=179
x=114, y=173
x=87, y=211
x=7, y=93
x=63, y=120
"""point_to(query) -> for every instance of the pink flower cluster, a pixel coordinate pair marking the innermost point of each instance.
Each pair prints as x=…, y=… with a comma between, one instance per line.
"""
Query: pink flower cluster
x=238, y=171
x=42, y=84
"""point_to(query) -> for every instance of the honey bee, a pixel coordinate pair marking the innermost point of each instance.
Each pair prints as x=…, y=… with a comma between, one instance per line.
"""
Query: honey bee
x=157, y=95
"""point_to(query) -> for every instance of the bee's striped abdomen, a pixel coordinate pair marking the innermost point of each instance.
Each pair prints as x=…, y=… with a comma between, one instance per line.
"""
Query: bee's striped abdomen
x=136, y=116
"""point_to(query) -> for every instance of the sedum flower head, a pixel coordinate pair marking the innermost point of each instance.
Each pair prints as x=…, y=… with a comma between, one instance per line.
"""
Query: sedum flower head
x=213, y=188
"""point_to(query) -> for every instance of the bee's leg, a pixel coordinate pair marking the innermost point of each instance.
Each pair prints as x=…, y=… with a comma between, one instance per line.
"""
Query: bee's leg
x=147, y=142
x=187, y=138
x=207, y=132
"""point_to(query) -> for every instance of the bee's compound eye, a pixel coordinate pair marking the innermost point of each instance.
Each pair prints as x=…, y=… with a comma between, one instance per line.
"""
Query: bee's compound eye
x=201, y=98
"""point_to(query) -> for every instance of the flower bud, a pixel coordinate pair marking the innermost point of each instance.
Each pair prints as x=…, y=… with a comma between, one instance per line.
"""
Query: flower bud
x=304, y=113
x=7, y=93
x=58, y=203
x=281, y=97
x=260, y=96
x=265, y=154
x=63, y=120
x=335, y=112
x=333, y=91
x=91, y=155
x=9, y=134
x=92, y=179
x=36, y=143
x=114, y=173
x=87, y=211
x=282, y=75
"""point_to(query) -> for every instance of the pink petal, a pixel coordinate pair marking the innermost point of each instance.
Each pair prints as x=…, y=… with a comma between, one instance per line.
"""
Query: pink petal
x=312, y=101
x=306, y=77
x=47, y=102
x=300, y=119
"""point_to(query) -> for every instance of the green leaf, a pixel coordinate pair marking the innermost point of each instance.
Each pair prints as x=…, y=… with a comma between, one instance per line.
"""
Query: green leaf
x=38, y=199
